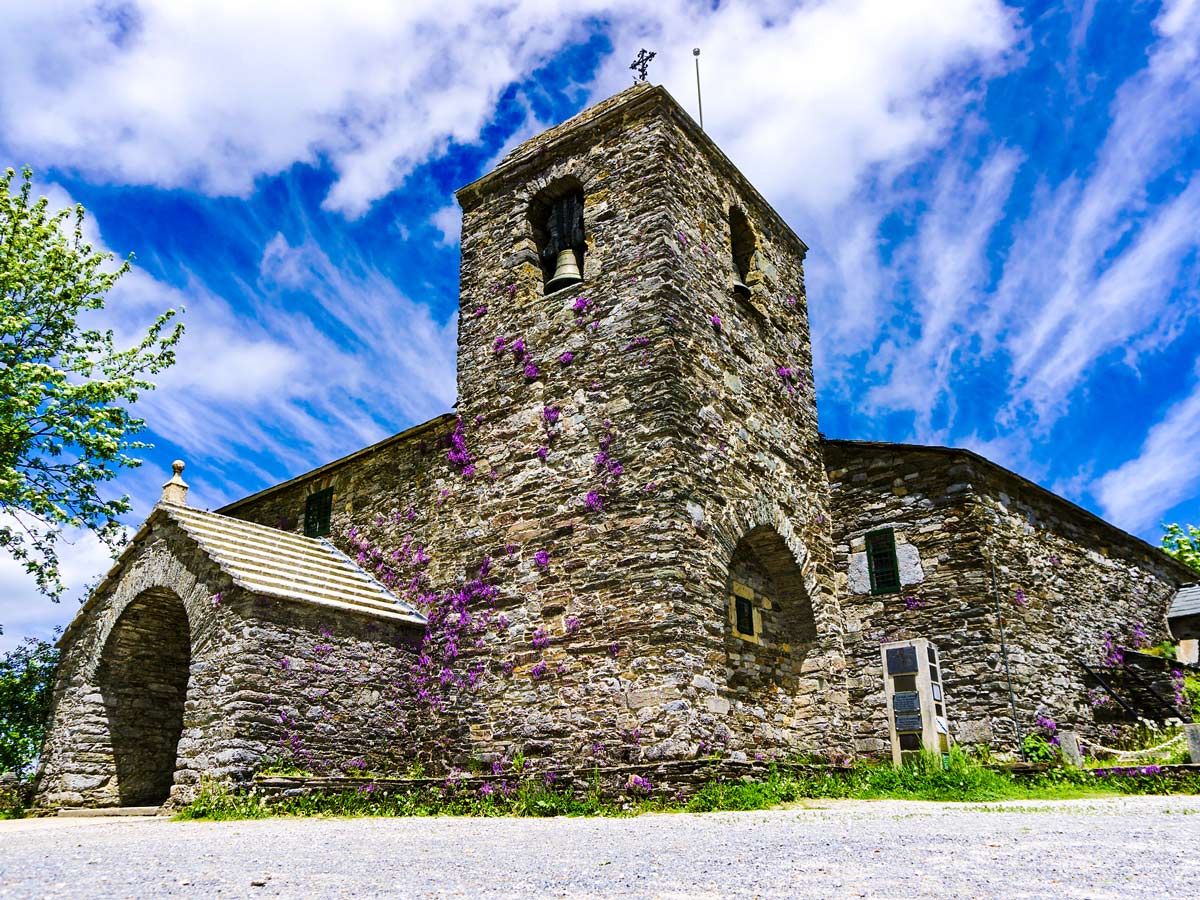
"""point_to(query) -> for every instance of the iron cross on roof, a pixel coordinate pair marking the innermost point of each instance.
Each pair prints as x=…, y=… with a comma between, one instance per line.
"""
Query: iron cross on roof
x=642, y=63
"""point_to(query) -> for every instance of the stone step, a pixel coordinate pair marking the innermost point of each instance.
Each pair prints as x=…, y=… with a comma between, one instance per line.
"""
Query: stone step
x=87, y=813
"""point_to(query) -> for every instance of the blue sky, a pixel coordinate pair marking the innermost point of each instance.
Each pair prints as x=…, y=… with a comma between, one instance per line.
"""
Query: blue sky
x=1001, y=201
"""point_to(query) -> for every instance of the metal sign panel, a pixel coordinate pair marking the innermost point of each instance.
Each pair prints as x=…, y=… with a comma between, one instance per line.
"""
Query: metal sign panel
x=906, y=702
x=901, y=659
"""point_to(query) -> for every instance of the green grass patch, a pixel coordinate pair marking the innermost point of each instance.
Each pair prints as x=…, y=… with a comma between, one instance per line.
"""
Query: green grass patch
x=958, y=778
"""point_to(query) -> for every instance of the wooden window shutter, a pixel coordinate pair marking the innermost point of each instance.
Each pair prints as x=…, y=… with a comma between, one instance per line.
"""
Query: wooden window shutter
x=318, y=509
x=882, y=562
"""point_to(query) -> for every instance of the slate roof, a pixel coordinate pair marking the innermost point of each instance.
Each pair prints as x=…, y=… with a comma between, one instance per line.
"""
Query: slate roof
x=280, y=564
x=271, y=563
x=1186, y=602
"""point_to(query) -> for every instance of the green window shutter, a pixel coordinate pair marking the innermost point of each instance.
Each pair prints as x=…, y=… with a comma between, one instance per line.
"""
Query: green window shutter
x=882, y=563
x=318, y=509
x=744, y=613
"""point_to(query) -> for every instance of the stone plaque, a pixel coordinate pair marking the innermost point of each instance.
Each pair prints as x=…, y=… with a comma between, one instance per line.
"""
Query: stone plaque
x=908, y=723
x=906, y=702
x=901, y=659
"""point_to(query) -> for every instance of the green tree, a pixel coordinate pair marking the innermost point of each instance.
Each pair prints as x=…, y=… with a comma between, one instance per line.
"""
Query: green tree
x=1183, y=543
x=65, y=389
x=26, y=681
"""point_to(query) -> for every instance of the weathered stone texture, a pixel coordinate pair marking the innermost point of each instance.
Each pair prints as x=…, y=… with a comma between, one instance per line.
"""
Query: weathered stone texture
x=628, y=456
x=1065, y=581
x=121, y=732
x=714, y=430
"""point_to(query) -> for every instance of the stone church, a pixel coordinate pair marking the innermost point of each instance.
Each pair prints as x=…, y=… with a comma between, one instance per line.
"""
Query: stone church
x=629, y=542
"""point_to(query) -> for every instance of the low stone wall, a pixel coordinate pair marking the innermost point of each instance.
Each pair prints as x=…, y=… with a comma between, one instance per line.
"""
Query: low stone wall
x=678, y=779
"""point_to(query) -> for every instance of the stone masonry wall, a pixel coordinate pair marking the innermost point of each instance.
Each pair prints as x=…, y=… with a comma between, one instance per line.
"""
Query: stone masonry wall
x=263, y=677
x=1070, y=585
x=605, y=467
x=925, y=497
x=750, y=459
x=1066, y=580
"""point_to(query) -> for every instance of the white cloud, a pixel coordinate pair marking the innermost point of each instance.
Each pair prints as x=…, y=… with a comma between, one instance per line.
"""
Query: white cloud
x=448, y=220
x=1166, y=471
x=1100, y=273
x=214, y=95
x=949, y=269
x=1096, y=249
x=26, y=613
x=808, y=99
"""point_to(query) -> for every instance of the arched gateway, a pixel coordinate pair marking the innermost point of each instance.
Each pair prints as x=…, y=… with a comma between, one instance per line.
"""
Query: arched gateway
x=180, y=664
x=143, y=679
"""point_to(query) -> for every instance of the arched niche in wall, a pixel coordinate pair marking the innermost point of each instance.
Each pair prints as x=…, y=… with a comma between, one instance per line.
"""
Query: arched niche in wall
x=556, y=222
x=742, y=244
x=770, y=623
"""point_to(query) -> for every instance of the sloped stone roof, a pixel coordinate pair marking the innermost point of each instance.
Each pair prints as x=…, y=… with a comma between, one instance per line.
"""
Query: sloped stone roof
x=280, y=564
x=1186, y=602
x=271, y=563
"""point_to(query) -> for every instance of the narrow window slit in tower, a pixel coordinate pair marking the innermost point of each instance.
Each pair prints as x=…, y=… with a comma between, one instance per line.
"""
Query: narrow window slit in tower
x=741, y=239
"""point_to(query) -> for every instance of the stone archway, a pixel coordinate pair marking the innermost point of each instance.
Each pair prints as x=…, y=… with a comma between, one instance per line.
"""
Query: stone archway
x=771, y=626
x=143, y=678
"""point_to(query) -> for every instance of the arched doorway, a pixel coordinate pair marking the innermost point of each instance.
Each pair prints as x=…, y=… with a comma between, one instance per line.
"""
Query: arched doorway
x=771, y=627
x=143, y=677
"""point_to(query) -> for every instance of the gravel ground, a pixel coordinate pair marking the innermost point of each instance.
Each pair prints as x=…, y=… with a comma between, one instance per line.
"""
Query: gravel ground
x=1123, y=848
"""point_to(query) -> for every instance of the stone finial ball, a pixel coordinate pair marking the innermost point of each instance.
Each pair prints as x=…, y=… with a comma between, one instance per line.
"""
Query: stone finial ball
x=177, y=467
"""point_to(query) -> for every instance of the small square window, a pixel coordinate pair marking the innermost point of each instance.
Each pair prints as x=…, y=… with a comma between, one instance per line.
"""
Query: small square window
x=318, y=509
x=744, y=615
x=882, y=563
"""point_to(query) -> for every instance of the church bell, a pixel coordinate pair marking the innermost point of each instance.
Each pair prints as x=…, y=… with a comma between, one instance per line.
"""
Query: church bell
x=566, y=271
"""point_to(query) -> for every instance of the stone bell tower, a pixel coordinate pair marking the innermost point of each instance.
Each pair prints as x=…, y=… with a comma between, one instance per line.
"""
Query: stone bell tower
x=637, y=407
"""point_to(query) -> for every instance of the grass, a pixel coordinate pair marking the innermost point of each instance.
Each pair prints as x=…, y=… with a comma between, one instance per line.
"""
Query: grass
x=960, y=779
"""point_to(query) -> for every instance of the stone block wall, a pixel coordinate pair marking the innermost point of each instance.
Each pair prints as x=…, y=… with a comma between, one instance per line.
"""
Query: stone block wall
x=751, y=477
x=172, y=672
x=1071, y=585
x=1066, y=581
x=925, y=497
x=614, y=448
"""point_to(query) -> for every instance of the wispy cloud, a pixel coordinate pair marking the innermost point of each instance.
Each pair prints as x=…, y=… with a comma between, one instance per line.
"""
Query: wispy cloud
x=971, y=281
x=1165, y=472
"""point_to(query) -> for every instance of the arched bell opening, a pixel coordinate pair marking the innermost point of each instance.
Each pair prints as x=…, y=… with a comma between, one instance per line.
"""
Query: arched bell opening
x=770, y=627
x=556, y=221
x=143, y=678
x=741, y=246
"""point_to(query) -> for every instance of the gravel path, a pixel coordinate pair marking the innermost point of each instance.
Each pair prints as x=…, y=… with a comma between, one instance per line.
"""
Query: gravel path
x=1123, y=848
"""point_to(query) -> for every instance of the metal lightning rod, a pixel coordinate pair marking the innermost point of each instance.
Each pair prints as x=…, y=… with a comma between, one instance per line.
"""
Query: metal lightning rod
x=699, y=101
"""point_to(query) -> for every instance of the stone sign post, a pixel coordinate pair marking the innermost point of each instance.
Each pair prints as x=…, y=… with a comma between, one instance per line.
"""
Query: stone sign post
x=912, y=683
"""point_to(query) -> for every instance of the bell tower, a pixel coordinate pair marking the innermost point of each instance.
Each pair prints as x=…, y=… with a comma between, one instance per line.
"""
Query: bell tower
x=636, y=397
